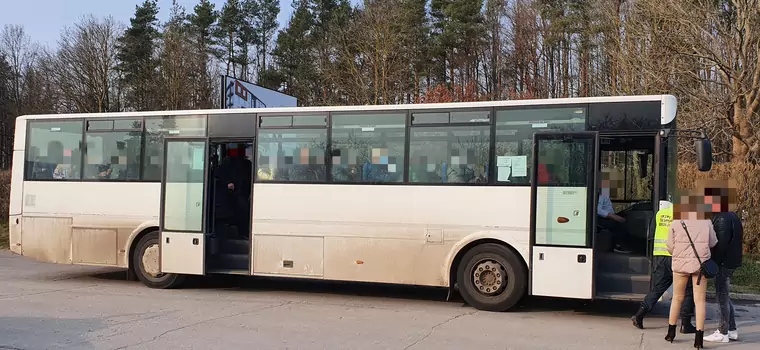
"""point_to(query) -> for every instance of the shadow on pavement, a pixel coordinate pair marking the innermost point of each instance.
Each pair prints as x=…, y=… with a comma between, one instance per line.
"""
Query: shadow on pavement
x=372, y=290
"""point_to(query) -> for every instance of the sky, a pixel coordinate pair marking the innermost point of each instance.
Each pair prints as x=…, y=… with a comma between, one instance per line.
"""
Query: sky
x=44, y=19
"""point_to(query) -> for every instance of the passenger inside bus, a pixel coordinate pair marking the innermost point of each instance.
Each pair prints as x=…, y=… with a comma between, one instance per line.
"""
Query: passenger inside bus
x=233, y=193
x=607, y=218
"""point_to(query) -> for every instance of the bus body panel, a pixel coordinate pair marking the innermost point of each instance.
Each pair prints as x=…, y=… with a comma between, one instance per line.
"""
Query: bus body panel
x=388, y=234
x=89, y=223
x=16, y=199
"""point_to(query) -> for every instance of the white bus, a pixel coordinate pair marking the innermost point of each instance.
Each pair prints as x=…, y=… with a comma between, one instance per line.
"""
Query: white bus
x=430, y=194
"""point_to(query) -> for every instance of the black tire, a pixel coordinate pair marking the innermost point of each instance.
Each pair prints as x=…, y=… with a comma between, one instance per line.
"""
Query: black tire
x=508, y=292
x=163, y=281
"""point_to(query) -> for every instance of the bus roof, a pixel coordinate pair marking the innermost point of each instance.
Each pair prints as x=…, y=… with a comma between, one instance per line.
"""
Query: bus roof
x=356, y=108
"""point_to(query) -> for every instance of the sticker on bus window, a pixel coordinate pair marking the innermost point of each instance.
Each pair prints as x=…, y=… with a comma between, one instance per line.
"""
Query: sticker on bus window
x=502, y=173
x=520, y=166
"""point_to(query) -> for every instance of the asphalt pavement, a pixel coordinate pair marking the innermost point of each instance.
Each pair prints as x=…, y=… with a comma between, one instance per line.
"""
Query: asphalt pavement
x=47, y=306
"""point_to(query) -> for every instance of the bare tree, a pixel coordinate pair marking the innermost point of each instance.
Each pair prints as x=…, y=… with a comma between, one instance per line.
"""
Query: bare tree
x=371, y=67
x=715, y=46
x=20, y=52
x=85, y=65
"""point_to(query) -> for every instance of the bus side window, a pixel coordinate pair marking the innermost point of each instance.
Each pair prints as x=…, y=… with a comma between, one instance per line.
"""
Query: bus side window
x=53, y=150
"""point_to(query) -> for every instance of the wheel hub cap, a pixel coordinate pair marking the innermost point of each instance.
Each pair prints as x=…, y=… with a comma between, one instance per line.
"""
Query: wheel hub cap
x=150, y=261
x=489, y=277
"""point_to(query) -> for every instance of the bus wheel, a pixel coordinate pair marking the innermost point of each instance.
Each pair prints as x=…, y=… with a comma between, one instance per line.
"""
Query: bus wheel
x=491, y=277
x=145, y=261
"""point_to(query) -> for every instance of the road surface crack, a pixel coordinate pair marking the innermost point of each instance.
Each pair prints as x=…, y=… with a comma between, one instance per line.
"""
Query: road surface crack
x=202, y=322
x=432, y=329
x=641, y=341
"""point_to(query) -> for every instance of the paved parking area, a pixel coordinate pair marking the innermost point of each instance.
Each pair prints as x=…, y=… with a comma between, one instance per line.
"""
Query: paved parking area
x=45, y=306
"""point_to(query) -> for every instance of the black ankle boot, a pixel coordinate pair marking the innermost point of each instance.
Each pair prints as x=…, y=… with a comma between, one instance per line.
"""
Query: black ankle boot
x=638, y=318
x=671, y=333
x=699, y=337
x=687, y=327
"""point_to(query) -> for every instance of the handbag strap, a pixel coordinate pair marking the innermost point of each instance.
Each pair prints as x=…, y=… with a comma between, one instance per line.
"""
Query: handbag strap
x=691, y=242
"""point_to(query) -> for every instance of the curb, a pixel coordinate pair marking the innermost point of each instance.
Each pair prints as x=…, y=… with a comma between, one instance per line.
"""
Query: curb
x=738, y=296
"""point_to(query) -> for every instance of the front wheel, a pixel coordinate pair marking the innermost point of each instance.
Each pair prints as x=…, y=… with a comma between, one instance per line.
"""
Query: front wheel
x=492, y=277
x=146, y=263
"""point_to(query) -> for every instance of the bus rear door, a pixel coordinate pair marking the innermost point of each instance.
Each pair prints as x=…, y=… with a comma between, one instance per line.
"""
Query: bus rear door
x=183, y=206
x=563, y=207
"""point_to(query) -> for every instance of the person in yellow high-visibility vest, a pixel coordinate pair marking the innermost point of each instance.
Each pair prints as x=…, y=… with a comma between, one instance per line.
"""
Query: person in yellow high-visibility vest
x=662, y=276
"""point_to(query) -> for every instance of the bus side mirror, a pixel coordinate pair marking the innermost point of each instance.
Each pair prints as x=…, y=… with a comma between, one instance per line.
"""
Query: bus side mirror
x=704, y=154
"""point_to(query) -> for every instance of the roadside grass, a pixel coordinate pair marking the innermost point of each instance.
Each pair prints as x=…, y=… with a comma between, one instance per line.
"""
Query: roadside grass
x=4, y=235
x=746, y=279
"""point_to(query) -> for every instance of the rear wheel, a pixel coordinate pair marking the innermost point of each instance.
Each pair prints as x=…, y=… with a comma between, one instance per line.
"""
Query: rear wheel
x=146, y=263
x=491, y=277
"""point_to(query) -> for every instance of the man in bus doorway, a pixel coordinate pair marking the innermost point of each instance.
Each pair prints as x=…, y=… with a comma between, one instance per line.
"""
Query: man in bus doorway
x=662, y=276
x=607, y=218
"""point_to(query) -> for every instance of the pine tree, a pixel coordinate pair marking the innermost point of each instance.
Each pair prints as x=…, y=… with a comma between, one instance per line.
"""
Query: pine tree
x=137, y=63
x=176, y=60
x=266, y=28
x=292, y=53
x=201, y=24
x=227, y=34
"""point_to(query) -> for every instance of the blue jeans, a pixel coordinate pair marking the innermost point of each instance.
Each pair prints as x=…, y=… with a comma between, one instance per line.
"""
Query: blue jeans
x=726, y=321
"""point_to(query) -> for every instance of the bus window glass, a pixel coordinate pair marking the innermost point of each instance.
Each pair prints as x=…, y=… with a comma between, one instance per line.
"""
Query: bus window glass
x=368, y=147
x=268, y=122
x=113, y=155
x=430, y=118
x=294, y=155
x=310, y=120
x=155, y=131
x=514, y=137
x=449, y=154
x=566, y=163
x=470, y=117
x=53, y=150
x=626, y=168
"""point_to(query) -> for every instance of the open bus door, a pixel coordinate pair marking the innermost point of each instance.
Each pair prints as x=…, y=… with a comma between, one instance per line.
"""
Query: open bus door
x=563, y=214
x=183, y=206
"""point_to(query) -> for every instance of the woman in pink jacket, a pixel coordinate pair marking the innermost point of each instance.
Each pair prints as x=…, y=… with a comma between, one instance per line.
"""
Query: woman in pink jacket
x=686, y=216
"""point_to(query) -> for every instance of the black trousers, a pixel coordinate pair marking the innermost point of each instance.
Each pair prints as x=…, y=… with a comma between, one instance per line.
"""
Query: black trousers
x=619, y=234
x=662, y=279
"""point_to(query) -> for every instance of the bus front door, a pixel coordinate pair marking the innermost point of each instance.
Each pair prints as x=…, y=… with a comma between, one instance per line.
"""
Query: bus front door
x=183, y=206
x=563, y=207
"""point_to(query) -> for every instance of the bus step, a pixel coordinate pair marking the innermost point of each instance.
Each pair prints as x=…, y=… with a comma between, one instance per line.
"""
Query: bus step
x=622, y=283
x=234, y=246
x=622, y=263
x=229, y=261
x=242, y=272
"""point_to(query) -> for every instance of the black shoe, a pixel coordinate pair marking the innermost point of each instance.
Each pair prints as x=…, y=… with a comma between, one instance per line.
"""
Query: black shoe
x=699, y=337
x=687, y=328
x=671, y=333
x=638, y=318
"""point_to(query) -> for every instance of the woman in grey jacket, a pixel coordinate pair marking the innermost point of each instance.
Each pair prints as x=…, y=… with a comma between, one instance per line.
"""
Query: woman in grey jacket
x=689, y=221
